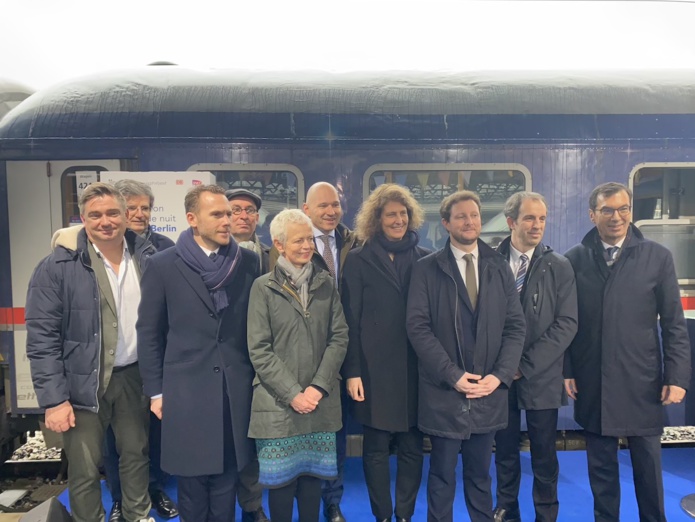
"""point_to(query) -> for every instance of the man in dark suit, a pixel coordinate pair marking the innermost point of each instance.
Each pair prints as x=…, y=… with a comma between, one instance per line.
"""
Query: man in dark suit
x=616, y=368
x=466, y=325
x=545, y=282
x=245, y=206
x=194, y=357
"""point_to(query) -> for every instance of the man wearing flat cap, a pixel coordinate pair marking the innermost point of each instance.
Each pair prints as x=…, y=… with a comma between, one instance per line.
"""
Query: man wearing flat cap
x=245, y=206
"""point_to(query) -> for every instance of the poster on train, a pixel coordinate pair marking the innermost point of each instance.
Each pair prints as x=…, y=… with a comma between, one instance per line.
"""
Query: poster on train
x=169, y=188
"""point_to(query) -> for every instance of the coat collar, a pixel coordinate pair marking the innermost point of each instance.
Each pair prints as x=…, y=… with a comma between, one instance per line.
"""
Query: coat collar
x=485, y=252
x=504, y=249
x=634, y=238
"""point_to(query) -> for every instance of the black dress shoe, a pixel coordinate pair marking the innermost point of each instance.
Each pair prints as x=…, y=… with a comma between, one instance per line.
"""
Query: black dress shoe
x=401, y=519
x=165, y=507
x=502, y=515
x=116, y=515
x=333, y=514
x=254, y=516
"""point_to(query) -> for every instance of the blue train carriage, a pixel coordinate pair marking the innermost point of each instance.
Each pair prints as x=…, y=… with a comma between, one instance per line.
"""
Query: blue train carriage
x=558, y=133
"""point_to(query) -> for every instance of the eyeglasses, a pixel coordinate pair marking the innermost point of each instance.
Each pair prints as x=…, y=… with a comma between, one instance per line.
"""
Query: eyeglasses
x=609, y=212
x=250, y=211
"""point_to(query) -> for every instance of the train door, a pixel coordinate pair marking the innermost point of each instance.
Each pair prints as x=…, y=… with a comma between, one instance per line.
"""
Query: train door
x=42, y=197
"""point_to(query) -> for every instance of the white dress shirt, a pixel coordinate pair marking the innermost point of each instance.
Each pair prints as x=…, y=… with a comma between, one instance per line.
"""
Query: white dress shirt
x=461, y=263
x=125, y=287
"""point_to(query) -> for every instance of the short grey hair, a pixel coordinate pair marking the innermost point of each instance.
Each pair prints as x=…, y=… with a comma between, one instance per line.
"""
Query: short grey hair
x=99, y=190
x=278, y=227
x=513, y=204
x=131, y=188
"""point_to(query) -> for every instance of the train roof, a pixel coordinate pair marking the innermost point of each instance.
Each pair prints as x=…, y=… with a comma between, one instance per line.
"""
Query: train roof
x=136, y=102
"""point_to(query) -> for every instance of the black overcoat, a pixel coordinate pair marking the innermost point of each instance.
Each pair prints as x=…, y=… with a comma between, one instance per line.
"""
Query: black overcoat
x=616, y=357
x=379, y=351
x=549, y=300
x=435, y=332
x=185, y=350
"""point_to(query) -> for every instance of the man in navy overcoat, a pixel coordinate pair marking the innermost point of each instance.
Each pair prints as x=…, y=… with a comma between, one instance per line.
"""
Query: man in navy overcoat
x=194, y=358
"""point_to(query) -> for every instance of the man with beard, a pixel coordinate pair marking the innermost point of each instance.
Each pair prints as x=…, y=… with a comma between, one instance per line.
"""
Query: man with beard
x=466, y=325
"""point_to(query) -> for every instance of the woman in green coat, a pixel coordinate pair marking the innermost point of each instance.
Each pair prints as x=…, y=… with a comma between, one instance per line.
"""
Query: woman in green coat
x=297, y=338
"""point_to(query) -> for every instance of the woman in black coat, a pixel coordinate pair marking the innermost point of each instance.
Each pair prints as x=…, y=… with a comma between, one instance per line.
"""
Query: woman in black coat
x=381, y=366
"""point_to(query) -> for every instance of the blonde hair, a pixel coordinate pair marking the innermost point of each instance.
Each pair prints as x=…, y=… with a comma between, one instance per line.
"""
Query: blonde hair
x=368, y=219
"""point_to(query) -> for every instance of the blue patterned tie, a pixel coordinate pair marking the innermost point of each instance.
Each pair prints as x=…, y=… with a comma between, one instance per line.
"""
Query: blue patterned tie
x=521, y=273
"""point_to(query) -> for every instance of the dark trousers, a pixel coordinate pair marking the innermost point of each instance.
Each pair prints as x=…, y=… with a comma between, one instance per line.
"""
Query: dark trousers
x=375, y=460
x=542, y=433
x=123, y=407
x=250, y=494
x=308, y=492
x=158, y=478
x=332, y=490
x=645, y=454
x=212, y=498
x=476, y=453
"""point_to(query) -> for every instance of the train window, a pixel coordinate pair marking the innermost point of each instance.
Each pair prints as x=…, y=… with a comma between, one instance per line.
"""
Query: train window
x=73, y=181
x=280, y=186
x=431, y=183
x=663, y=192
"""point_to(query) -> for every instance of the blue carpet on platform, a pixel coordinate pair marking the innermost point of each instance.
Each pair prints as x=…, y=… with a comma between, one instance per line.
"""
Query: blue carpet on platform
x=576, y=503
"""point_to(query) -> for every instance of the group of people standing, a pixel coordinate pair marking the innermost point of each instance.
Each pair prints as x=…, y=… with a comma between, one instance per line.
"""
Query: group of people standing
x=251, y=355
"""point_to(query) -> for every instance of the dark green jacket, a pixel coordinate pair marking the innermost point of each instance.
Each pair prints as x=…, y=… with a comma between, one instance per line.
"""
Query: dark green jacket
x=291, y=348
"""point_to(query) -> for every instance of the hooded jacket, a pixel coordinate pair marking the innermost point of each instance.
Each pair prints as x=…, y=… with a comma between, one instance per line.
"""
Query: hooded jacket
x=64, y=323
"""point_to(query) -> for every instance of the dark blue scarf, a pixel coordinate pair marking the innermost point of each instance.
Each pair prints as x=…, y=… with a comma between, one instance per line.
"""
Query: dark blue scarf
x=216, y=273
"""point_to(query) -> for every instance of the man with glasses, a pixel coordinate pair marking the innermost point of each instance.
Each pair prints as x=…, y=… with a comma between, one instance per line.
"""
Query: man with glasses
x=139, y=200
x=615, y=368
x=245, y=206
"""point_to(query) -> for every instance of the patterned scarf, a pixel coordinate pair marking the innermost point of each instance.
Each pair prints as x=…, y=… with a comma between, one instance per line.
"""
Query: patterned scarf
x=216, y=273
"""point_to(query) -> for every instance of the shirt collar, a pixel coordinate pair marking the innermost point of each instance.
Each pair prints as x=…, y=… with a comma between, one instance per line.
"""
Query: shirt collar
x=319, y=233
x=515, y=255
x=96, y=249
x=619, y=244
x=208, y=252
x=458, y=254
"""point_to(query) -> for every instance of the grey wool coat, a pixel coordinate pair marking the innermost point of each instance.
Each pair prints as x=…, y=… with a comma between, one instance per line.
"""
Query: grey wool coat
x=292, y=348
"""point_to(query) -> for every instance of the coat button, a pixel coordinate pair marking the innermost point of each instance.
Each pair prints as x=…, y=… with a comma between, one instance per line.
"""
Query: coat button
x=211, y=314
x=110, y=352
x=219, y=339
x=216, y=369
x=115, y=325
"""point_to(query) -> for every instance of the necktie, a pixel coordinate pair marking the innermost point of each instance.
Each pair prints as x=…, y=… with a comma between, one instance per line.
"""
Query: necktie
x=471, y=280
x=521, y=273
x=213, y=255
x=610, y=255
x=328, y=255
